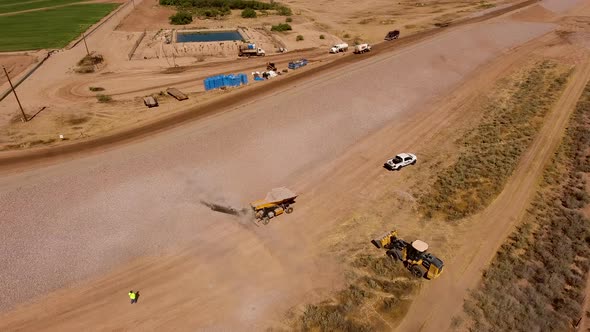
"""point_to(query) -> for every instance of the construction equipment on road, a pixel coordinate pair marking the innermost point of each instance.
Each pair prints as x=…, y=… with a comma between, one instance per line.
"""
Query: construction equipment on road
x=276, y=202
x=342, y=47
x=362, y=48
x=174, y=92
x=413, y=255
x=391, y=35
x=251, y=49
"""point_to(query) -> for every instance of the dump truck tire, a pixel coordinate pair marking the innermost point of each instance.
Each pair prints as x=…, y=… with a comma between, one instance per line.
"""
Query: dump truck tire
x=417, y=271
x=265, y=220
x=414, y=162
x=289, y=210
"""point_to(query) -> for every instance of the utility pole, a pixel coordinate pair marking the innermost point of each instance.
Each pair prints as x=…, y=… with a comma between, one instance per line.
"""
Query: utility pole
x=86, y=45
x=24, y=119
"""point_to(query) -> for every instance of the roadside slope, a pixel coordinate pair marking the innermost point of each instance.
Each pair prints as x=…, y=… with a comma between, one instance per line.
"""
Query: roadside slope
x=487, y=231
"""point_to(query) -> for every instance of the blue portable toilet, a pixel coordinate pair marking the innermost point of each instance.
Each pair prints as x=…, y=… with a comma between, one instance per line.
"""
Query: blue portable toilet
x=207, y=83
x=218, y=82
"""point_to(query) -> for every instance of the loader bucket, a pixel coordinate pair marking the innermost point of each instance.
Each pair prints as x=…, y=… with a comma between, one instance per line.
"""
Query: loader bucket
x=384, y=239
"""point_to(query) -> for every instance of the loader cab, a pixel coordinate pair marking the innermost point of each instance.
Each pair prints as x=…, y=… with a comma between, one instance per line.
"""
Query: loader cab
x=416, y=250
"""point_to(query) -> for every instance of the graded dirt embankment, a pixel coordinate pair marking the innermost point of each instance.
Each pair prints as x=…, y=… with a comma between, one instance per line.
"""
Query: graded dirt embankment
x=88, y=216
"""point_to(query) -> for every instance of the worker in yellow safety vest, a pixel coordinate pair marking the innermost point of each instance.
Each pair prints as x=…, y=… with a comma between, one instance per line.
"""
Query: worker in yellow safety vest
x=133, y=296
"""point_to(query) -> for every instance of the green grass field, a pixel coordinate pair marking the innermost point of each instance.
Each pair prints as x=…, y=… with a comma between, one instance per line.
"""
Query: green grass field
x=20, y=6
x=52, y=28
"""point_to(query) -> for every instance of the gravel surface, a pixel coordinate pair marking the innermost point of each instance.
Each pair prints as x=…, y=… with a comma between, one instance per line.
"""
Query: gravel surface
x=85, y=217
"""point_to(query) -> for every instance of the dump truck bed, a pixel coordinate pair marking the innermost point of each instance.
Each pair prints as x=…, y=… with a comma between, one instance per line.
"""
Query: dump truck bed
x=275, y=196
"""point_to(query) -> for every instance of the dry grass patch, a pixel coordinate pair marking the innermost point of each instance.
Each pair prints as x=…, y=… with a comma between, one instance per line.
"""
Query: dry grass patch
x=537, y=279
x=489, y=153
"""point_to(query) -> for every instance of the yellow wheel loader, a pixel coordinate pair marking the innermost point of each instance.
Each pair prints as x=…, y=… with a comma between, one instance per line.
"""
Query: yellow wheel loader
x=413, y=255
x=276, y=202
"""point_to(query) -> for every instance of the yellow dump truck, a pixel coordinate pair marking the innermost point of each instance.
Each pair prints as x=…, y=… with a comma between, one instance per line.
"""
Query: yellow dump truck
x=276, y=202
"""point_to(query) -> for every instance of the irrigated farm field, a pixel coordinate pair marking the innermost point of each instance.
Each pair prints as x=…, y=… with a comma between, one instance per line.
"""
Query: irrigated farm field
x=51, y=28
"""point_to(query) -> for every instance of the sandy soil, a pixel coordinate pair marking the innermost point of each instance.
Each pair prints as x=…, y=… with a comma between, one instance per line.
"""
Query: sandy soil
x=55, y=94
x=137, y=205
x=14, y=64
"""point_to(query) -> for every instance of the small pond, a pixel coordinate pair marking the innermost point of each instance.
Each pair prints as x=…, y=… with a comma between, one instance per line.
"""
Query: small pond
x=207, y=36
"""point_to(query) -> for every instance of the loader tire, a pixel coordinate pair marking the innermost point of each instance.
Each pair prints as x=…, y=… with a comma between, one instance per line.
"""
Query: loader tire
x=417, y=271
x=265, y=220
x=395, y=254
x=289, y=210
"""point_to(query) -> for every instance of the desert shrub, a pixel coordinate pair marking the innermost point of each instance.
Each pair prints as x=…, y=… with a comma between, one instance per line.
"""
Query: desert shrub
x=299, y=38
x=103, y=98
x=288, y=20
x=549, y=269
x=322, y=37
x=95, y=88
x=281, y=27
x=248, y=13
x=346, y=35
x=491, y=151
x=284, y=11
x=181, y=18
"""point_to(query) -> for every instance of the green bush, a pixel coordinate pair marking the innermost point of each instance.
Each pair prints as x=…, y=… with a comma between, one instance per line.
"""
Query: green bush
x=181, y=18
x=281, y=27
x=288, y=20
x=299, y=38
x=284, y=11
x=248, y=13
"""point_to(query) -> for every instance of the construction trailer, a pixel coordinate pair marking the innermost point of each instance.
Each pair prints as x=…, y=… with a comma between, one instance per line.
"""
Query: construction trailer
x=150, y=101
x=174, y=92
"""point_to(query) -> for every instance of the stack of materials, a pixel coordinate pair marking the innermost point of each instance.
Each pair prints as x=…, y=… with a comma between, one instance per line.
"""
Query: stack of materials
x=219, y=81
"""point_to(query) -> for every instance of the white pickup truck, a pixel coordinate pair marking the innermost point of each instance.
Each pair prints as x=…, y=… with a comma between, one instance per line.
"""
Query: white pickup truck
x=342, y=47
x=401, y=160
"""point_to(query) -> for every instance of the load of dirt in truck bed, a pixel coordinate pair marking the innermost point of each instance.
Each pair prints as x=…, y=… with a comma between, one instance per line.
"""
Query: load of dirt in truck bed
x=279, y=194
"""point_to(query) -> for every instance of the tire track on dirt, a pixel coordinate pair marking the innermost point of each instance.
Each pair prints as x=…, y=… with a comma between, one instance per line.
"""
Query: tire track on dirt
x=490, y=228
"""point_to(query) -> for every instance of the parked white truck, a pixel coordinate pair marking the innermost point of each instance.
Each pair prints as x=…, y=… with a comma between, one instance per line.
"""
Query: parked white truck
x=362, y=48
x=342, y=47
x=251, y=49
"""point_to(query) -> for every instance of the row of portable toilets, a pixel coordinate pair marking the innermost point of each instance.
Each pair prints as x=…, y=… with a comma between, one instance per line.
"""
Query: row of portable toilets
x=216, y=82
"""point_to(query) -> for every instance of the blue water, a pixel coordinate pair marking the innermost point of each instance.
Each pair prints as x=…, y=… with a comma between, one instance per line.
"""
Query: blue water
x=189, y=37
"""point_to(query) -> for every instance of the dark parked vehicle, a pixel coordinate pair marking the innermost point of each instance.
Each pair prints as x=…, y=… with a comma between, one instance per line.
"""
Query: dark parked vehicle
x=391, y=35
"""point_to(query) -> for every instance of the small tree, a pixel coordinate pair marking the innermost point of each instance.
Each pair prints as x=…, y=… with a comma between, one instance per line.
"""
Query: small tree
x=181, y=18
x=248, y=13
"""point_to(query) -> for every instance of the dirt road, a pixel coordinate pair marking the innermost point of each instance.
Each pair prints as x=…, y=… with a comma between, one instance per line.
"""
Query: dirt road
x=132, y=213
